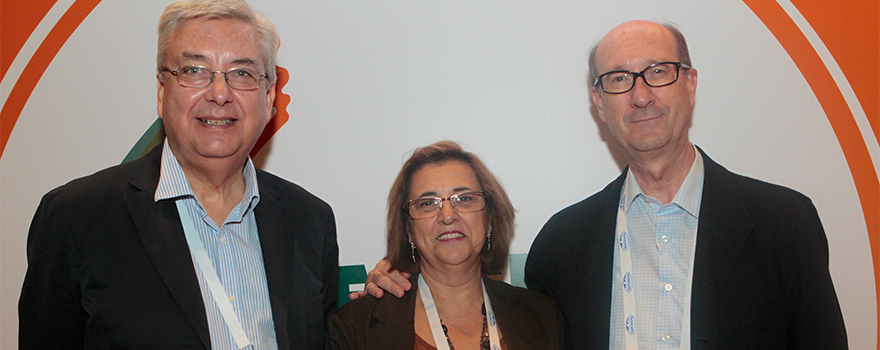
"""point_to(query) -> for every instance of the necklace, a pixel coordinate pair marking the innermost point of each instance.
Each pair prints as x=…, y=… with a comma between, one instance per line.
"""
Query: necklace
x=489, y=320
x=484, y=338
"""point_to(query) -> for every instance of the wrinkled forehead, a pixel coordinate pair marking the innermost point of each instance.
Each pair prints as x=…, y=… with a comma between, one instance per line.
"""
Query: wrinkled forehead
x=198, y=40
x=634, y=46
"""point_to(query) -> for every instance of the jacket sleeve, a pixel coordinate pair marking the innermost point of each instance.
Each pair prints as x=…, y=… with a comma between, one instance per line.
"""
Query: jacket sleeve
x=339, y=335
x=50, y=313
x=331, y=270
x=561, y=341
x=818, y=319
x=541, y=269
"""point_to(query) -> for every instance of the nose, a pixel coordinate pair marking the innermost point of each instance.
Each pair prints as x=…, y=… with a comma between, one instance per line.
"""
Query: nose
x=448, y=214
x=641, y=94
x=219, y=90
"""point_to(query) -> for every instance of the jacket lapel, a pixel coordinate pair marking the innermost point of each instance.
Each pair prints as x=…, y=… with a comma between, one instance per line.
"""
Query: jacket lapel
x=599, y=261
x=159, y=228
x=278, y=245
x=723, y=228
x=505, y=307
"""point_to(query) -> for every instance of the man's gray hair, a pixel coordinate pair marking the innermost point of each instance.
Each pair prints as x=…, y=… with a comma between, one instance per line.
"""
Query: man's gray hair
x=184, y=10
x=684, y=55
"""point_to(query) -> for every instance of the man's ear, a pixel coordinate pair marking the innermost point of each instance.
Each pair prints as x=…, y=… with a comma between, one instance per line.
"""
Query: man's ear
x=691, y=79
x=596, y=96
x=160, y=91
x=270, y=102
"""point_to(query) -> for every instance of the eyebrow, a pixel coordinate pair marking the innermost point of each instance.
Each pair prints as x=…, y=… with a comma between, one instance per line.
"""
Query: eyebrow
x=621, y=68
x=244, y=62
x=189, y=56
x=455, y=191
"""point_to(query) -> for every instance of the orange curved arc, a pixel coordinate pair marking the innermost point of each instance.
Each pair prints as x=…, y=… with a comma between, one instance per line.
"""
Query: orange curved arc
x=18, y=20
x=35, y=68
x=839, y=115
x=845, y=29
x=281, y=117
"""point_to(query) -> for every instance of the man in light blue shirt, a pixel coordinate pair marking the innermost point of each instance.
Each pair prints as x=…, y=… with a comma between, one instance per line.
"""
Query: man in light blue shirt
x=662, y=239
x=678, y=252
x=191, y=246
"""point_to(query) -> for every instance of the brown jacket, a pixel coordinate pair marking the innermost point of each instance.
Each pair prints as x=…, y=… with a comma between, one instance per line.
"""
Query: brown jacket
x=526, y=319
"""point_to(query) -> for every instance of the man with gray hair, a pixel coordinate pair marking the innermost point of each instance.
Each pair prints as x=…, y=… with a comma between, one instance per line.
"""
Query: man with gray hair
x=191, y=246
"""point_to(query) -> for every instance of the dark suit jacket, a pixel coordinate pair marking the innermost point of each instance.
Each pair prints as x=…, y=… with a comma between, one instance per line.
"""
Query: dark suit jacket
x=526, y=320
x=108, y=267
x=760, y=277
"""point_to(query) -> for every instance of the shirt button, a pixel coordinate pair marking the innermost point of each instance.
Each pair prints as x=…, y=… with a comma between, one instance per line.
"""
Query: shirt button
x=664, y=239
x=666, y=337
x=231, y=299
x=222, y=239
x=668, y=287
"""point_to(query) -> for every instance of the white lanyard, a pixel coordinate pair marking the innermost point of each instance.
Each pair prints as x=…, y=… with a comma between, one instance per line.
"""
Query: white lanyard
x=434, y=318
x=626, y=273
x=627, y=282
x=210, y=275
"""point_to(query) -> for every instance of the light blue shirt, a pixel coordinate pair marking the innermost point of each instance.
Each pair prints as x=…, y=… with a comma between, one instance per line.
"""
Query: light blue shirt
x=663, y=239
x=234, y=250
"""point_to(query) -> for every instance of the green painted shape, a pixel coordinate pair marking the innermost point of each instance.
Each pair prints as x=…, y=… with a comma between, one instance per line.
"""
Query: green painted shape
x=348, y=275
x=518, y=269
x=153, y=137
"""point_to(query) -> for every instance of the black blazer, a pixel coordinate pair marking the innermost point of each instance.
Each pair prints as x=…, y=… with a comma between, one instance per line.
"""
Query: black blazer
x=760, y=280
x=526, y=320
x=108, y=267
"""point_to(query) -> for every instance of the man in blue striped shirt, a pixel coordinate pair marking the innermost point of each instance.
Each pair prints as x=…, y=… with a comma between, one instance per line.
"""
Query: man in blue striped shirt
x=191, y=246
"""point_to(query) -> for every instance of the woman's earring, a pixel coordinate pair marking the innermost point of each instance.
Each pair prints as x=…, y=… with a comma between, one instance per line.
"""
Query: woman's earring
x=413, y=246
x=489, y=241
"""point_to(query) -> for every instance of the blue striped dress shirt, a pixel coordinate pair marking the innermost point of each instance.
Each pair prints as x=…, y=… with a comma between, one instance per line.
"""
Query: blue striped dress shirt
x=235, y=251
x=662, y=238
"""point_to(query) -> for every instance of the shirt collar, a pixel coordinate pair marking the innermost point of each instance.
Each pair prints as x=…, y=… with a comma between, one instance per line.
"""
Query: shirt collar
x=688, y=195
x=173, y=183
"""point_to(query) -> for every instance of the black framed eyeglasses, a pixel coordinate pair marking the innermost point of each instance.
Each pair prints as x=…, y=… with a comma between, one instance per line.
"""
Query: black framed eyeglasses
x=427, y=207
x=198, y=77
x=656, y=75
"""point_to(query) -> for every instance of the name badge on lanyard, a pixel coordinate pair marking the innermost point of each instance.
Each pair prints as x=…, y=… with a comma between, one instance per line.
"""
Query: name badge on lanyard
x=626, y=280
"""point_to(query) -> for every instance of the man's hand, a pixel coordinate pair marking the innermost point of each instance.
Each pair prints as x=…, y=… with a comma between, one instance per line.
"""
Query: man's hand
x=382, y=279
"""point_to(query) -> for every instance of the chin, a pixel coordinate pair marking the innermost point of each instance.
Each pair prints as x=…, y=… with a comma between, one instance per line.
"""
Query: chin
x=219, y=151
x=462, y=259
x=649, y=143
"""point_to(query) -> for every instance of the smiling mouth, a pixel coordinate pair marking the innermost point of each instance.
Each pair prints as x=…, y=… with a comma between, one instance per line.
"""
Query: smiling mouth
x=449, y=235
x=217, y=122
x=647, y=118
x=646, y=115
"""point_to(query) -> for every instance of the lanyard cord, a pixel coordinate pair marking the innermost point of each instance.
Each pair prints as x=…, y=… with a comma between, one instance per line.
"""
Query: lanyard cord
x=434, y=318
x=203, y=263
x=626, y=282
